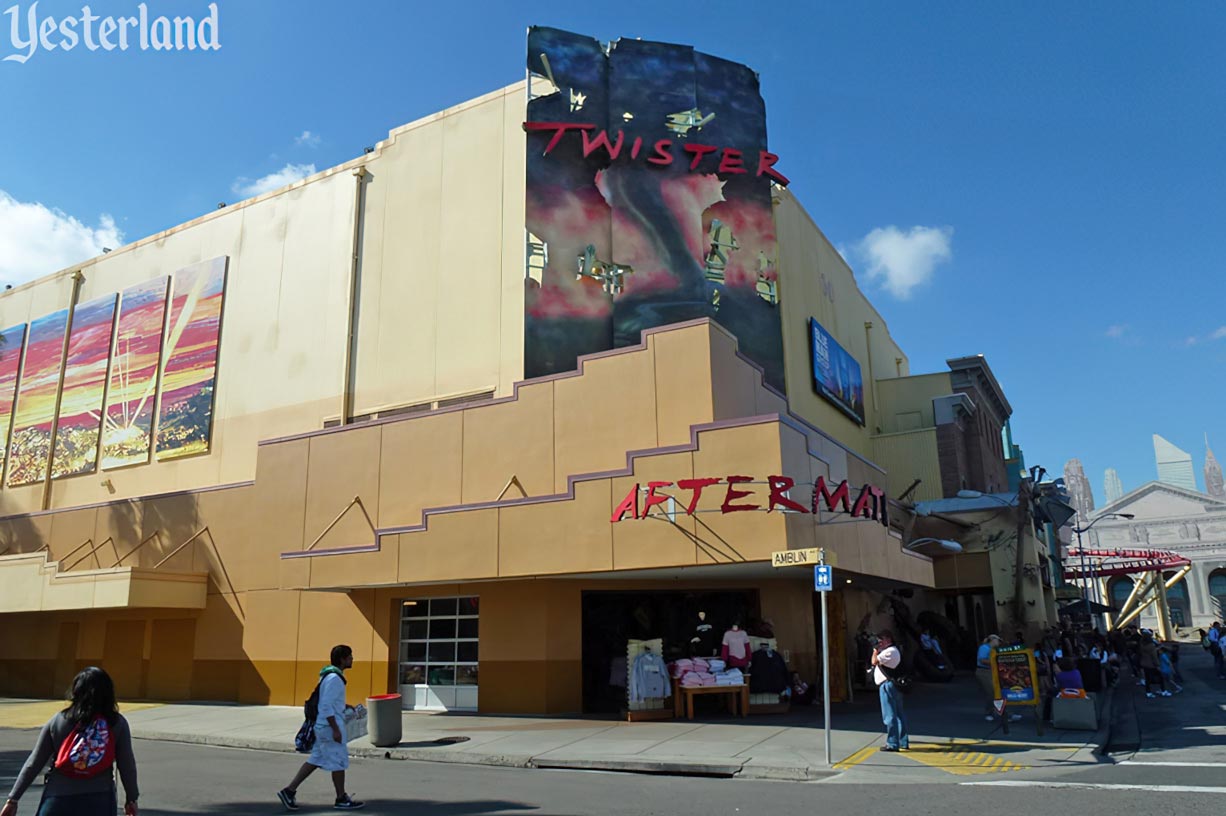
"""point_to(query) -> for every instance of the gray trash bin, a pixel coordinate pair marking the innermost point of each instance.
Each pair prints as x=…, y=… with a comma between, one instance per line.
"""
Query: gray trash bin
x=383, y=717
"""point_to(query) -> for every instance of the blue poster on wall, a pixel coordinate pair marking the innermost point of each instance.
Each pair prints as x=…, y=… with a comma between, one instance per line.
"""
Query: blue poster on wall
x=836, y=374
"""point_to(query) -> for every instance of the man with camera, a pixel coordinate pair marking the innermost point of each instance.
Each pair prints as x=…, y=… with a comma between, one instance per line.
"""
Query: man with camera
x=887, y=663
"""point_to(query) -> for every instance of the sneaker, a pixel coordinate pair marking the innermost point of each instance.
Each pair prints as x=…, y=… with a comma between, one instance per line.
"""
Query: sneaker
x=347, y=802
x=288, y=798
x=1015, y=718
x=1150, y=695
x=990, y=718
x=1166, y=694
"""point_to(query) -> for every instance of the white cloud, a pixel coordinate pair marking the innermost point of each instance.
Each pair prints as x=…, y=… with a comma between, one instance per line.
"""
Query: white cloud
x=273, y=181
x=1117, y=331
x=37, y=240
x=308, y=139
x=903, y=260
x=1191, y=341
x=1219, y=334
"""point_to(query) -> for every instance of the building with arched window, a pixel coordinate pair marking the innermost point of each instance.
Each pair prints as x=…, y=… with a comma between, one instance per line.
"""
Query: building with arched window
x=1167, y=517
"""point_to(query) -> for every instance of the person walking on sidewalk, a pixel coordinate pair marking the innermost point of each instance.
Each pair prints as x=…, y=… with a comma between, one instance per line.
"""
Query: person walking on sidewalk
x=84, y=743
x=1215, y=648
x=331, y=749
x=1151, y=666
x=886, y=662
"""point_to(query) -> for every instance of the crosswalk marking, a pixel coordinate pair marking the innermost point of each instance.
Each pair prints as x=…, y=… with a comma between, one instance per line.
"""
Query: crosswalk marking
x=1099, y=786
x=959, y=760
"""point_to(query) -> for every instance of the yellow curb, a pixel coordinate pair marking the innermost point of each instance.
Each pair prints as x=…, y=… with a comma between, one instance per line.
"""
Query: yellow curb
x=35, y=714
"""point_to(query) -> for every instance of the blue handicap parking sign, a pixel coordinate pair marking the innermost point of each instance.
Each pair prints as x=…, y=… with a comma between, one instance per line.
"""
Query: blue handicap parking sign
x=822, y=578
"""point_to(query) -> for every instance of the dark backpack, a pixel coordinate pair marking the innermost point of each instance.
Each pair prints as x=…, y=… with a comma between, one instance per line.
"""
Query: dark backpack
x=304, y=740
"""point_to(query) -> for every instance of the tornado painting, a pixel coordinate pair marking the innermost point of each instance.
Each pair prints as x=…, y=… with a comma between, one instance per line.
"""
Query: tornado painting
x=648, y=200
x=185, y=420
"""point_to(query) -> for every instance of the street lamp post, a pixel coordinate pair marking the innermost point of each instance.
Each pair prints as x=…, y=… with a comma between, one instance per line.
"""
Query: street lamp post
x=1085, y=575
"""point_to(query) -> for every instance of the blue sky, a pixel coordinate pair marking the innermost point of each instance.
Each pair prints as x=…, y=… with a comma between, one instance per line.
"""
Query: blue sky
x=1039, y=183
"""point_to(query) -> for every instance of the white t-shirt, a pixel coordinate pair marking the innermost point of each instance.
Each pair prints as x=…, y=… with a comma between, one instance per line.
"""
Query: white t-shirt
x=331, y=702
x=889, y=657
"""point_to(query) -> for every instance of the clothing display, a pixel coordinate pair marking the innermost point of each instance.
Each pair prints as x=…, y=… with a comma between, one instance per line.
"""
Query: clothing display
x=649, y=677
x=732, y=677
x=735, y=651
x=716, y=665
x=768, y=673
x=702, y=644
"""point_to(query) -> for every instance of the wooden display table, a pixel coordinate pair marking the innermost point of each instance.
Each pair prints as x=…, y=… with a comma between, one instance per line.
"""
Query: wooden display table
x=683, y=698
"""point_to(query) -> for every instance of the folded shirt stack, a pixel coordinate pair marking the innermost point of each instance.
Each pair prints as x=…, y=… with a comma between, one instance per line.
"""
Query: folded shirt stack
x=696, y=679
x=681, y=668
x=732, y=677
x=701, y=665
x=717, y=666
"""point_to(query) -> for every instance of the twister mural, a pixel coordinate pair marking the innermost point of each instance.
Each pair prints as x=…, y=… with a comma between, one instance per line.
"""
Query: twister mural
x=648, y=199
x=127, y=434
x=80, y=417
x=12, y=343
x=185, y=422
x=30, y=449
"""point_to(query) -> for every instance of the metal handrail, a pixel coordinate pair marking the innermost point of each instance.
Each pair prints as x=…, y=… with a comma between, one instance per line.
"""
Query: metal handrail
x=88, y=554
x=121, y=559
x=179, y=548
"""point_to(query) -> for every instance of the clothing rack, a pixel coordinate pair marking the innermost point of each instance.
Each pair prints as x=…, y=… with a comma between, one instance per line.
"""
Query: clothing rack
x=650, y=708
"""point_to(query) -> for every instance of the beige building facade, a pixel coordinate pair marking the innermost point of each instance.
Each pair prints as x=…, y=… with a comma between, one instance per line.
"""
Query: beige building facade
x=380, y=473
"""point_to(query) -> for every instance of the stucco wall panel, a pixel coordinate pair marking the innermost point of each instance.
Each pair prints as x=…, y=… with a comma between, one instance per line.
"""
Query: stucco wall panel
x=565, y=536
x=617, y=391
x=682, y=383
x=512, y=439
x=421, y=466
x=654, y=541
x=733, y=381
x=342, y=466
x=456, y=546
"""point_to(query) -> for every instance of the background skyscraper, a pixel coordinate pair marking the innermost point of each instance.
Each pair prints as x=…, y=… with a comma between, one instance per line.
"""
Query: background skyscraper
x=1213, y=474
x=1112, y=486
x=1079, y=490
x=1174, y=464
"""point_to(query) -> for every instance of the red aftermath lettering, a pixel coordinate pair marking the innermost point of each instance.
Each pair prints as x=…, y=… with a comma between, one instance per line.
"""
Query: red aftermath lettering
x=725, y=161
x=630, y=504
x=697, y=486
x=733, y=494
x=779, y=486
x=839, y=496
x=654, y=498
x=870, y=503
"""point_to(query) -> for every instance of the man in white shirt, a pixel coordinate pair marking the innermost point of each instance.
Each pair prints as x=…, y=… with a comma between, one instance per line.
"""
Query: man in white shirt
x=331, y=748
x=886, y=660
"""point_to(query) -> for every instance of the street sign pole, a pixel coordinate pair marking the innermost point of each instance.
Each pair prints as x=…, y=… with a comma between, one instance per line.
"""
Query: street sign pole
x=825, y=663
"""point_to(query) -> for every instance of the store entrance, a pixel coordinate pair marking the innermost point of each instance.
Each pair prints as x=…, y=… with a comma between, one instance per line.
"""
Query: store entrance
x=611, y=619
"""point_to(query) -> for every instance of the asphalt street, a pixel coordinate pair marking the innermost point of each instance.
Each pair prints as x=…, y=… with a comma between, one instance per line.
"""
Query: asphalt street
x=1182, y=764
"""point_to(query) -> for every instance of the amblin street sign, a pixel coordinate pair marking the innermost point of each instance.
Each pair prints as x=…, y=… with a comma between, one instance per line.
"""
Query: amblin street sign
x=870, y=503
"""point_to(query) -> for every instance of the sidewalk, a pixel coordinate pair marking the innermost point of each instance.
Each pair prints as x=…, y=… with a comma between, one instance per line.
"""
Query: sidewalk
x=787, y=747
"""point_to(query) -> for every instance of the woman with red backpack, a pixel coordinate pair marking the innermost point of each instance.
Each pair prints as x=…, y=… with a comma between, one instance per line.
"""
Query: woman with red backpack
x=84, y=743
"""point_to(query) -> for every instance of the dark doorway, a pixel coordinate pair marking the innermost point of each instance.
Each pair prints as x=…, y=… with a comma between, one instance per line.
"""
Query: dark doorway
x=610, y=619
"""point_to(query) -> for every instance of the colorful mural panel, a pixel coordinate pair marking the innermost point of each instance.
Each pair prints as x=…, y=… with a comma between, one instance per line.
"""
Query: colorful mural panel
x=30, y=448
x=648, y=200
x=185, y=421
x=12, y=343
x=80, y=417
x=127, y=433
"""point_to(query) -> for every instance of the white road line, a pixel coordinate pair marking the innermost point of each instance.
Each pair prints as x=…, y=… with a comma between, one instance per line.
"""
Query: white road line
x=1094, y=786
x=1175, y=764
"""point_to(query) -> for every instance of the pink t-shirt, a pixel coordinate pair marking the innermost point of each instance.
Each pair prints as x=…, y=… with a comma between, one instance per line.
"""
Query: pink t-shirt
x=738, y=644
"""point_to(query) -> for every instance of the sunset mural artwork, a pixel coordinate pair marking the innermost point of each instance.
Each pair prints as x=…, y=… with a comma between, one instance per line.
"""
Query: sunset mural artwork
x=185, y=421
x=127, y=434
x=12, y=343
x=31, y=445
x=80, y=418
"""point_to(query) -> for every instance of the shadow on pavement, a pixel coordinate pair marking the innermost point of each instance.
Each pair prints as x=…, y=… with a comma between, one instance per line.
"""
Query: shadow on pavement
x=405, y=807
